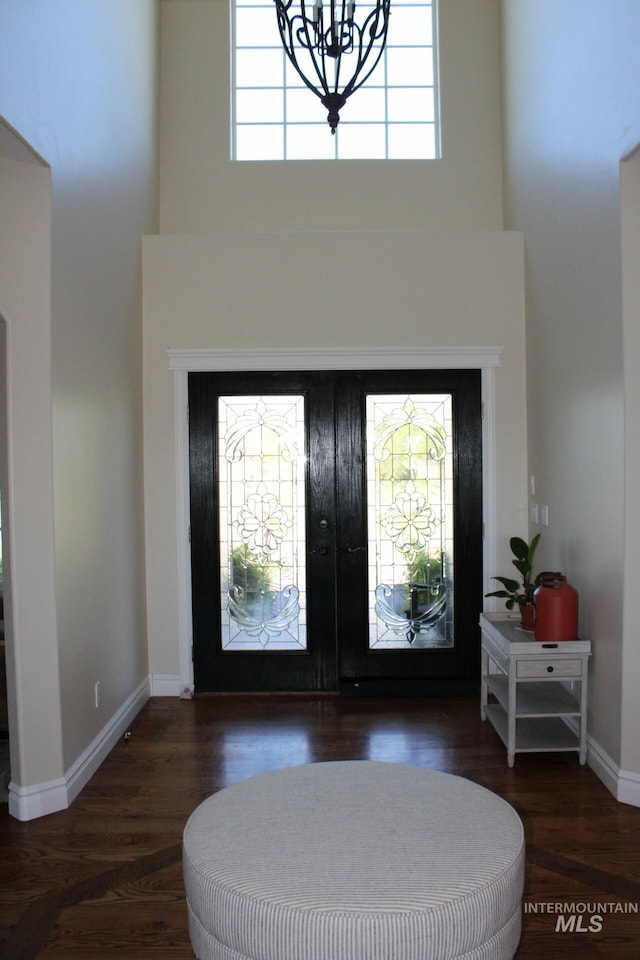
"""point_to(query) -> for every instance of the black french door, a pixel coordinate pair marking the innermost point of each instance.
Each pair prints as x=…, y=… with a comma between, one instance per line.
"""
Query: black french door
x=336, y=530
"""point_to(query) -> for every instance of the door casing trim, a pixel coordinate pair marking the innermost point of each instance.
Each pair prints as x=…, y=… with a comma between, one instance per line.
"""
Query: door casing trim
x=185, y=361
x=335, y=358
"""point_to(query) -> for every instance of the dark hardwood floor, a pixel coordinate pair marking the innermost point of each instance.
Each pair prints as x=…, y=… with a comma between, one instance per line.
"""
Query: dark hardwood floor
x=104, y=878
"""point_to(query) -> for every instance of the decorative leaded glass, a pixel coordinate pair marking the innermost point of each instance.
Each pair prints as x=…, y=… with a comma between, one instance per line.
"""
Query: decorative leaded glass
x=410, y=521
x=261, y=459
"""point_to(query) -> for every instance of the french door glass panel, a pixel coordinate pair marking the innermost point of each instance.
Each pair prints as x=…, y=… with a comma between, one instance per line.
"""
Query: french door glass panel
x=409, y=457
x=261, y=496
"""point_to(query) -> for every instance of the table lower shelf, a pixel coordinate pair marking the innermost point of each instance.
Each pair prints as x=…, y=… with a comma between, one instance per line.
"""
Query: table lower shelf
x=539, y=735
x=535, y=699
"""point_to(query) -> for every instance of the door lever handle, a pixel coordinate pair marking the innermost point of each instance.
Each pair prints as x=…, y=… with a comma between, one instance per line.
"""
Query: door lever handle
x=355, y=549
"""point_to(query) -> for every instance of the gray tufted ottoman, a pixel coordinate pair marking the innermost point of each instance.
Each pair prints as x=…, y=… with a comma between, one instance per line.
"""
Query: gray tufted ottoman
x=354, y=861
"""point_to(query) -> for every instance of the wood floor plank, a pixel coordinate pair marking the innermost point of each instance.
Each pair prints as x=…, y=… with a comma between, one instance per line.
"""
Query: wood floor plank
x=103, y=880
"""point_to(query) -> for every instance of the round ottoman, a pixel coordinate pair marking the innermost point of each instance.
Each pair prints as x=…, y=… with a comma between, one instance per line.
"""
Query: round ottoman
x=354, y=860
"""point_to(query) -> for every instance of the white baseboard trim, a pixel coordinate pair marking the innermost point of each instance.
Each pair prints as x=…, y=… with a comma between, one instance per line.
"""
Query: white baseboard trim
x=629, y=788
x=28, y=803
x=41, y=799
x=623, y=784
x=603, y=766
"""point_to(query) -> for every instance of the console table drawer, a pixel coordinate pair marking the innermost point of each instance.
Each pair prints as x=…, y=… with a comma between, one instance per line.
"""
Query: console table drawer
x=549, y=668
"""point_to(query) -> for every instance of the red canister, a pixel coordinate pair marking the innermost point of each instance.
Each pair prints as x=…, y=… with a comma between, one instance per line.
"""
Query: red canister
x=556, y=609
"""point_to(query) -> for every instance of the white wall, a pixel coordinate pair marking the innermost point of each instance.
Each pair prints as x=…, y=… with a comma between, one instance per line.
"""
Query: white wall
x=323, y=255
x=202, y=191
x=572, y=111
x=29, y=582
x=630, y=248
x=215, y=292
x=78, y=82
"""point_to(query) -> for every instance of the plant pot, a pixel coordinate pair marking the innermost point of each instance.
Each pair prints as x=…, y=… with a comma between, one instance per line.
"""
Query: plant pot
x=527, y=616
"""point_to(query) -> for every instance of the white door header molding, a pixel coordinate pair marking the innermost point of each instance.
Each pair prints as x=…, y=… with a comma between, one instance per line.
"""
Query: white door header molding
x=335, y=358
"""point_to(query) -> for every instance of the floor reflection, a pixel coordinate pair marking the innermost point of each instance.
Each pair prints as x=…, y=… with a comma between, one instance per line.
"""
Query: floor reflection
x=416, y=748
x=289, y=733
x=250, y=748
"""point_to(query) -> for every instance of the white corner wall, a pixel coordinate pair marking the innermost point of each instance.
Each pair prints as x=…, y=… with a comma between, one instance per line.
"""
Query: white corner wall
x=35, y=721
x=572, y=112
x=78, y=82
x=630, y=250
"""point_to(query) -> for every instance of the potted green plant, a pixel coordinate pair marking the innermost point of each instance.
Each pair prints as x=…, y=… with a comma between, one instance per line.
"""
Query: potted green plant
x=520, y=592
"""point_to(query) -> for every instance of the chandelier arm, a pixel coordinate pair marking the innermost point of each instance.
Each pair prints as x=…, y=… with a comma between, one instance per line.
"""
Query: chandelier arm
x=288, y=28
x=319, y=66
x=339, y=44
x=376, y=31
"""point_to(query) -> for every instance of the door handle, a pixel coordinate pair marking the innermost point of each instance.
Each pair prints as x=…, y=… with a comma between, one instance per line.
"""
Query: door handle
x=355, y=549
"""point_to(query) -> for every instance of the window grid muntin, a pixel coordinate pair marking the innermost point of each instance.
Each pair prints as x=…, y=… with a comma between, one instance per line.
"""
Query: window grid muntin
x=292, y=80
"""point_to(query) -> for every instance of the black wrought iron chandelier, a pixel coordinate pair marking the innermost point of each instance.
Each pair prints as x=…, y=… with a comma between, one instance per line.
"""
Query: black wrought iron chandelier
x=333, y=50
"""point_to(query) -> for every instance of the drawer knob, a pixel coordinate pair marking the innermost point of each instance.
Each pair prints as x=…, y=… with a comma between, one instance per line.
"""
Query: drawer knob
x=549, y=669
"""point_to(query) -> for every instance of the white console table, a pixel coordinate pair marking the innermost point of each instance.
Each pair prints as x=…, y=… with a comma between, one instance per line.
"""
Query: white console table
x=529, y=689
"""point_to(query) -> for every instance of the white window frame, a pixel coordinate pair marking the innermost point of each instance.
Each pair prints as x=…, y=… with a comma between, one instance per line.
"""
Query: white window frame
x=307, y=136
